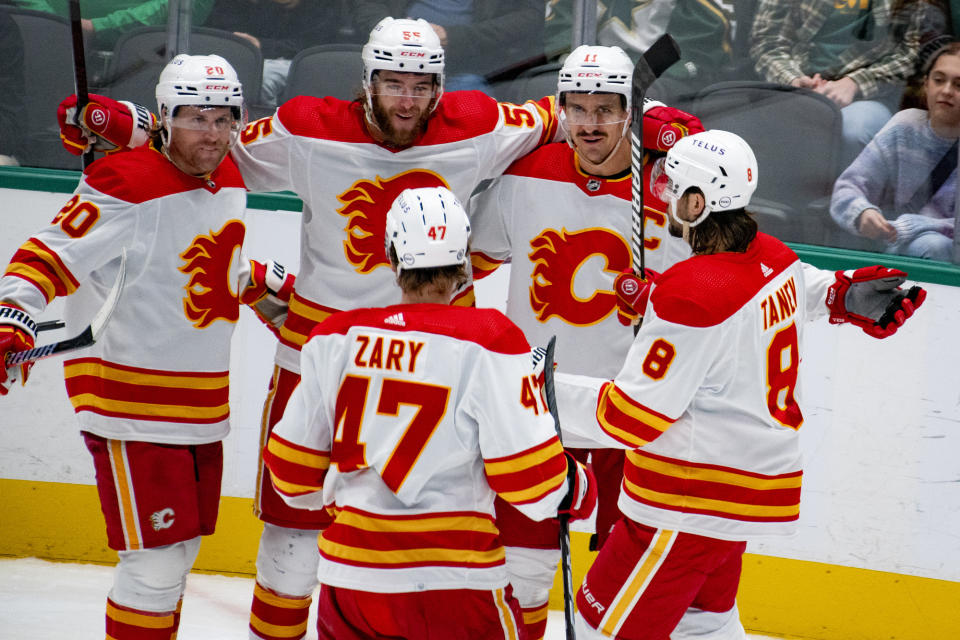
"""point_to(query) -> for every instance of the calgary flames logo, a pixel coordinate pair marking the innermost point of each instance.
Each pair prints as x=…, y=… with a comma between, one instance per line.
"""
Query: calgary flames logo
x=558, y=257
x=365, y=205
x=207, y=261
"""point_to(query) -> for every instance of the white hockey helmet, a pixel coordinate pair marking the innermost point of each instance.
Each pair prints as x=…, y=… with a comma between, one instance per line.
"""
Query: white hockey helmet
x=719, y=163
x=596, y=69
x=403, y=44
x=427, y=227
x=207, y=81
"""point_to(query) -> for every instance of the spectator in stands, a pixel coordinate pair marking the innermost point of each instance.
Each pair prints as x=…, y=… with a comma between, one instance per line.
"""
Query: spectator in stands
x=480, y=39
x=902, y=189
x=700, y=27
x=11, y=98
x=857, y=53
x=280, y=29
x=104, y=21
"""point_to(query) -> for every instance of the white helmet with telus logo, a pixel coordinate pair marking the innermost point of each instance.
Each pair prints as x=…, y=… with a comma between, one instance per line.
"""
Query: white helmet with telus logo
x=427, y=227
x=402, y=44
x=719, y=163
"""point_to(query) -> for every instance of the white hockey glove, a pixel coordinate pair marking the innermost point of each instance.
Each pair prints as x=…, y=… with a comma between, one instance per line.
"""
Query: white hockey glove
x=871, y=298
x=268, y=293
x=18, y=332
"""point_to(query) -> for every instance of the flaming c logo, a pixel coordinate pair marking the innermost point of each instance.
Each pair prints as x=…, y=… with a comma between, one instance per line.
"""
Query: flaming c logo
x=207, y=261
x=365, y=205
x=558, y=257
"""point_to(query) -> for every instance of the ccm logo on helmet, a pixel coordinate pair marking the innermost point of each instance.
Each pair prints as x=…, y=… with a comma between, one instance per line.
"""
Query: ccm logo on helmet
x=217, y=87
x=587, y=74
x=413, y=54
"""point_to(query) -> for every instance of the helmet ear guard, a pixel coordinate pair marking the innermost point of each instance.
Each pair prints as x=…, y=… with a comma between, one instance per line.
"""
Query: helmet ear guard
x=718, y=163
x=427, y=227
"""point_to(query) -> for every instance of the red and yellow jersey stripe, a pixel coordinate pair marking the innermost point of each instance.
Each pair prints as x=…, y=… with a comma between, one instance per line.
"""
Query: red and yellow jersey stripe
x=40, y=266
x=295, y=469
x=302, y=317
x=530, y=475
x=626, y=420
x=713, y=490
x=483, y=265
x=122, y=391
x=455, y=539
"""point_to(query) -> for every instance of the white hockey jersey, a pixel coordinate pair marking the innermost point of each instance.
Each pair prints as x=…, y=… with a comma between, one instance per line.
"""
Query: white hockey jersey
x=320, y=149
x=159, y=372
x=406, y=421
x=567, y=235
x=707, y=398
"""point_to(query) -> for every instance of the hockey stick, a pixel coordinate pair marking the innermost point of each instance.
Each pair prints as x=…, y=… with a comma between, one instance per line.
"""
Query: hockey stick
x=87, y=337
x=79, y=72
x=566, y=570
x=657, y=59
x=49, y=325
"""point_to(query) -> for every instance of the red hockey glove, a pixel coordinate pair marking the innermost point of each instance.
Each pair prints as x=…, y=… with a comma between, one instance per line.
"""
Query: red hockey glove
x=581, y=498
x=18, y=332
x=872, y=299
x=663, y=126
x=268, y=293
x=632, y=295
x=105, y=123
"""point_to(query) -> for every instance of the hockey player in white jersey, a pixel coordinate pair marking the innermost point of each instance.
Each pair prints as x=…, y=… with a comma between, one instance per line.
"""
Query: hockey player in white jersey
x=407, y=422
x=348, y=161
x=151, y=395
x=707, y=403
x=562, y=217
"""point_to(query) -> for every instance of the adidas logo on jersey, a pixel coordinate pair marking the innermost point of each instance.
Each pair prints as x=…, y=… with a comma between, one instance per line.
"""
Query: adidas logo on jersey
x=396, y=319
x=766, y=270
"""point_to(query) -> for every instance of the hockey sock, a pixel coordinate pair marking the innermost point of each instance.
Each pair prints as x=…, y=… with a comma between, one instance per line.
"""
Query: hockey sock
x=277, y=617
x=127, y=623
x=535, y=621
x=176, y=619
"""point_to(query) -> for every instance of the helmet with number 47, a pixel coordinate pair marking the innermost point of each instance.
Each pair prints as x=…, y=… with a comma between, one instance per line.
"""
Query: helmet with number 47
x=719, y=163
x=427, y=227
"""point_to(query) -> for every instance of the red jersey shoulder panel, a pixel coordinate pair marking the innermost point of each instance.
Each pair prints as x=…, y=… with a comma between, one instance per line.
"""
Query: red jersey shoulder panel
x=325, y=118
x=703, y=291
x=486, y=327
x=144, y=174
x=461, y=115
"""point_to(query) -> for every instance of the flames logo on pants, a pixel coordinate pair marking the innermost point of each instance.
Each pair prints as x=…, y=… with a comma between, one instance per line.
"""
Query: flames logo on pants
x=207, y=261
x=365, y=205
x=558, y=257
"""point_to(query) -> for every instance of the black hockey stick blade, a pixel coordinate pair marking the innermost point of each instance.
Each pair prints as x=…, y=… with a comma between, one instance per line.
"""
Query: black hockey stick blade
x=87, y=337
x=566, y=570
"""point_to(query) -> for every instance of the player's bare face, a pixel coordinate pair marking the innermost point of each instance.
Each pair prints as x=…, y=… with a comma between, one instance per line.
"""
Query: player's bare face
x=595, y=122
x=401, y=105
x=200, y=138
x=942, y=87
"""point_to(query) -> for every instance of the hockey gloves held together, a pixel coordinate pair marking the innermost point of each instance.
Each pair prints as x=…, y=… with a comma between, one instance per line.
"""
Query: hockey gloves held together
x=581, y=498
x=663, y=126
x=268, y=293
x=872, y=299
x=18, y=332
x=105, y=123
x=633, y=293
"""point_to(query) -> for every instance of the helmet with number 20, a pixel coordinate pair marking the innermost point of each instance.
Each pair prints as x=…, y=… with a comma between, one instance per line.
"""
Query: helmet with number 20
x=427, y=227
